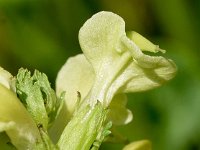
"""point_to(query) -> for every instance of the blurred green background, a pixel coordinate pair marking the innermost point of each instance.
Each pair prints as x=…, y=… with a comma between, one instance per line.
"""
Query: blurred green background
x=42, y=34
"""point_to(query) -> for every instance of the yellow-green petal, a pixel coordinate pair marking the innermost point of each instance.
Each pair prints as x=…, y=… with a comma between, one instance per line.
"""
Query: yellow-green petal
x=5, y=78
x=100, y=38
x=136, y=78
x=16, y=122
x=118, y=113
x=76, y=75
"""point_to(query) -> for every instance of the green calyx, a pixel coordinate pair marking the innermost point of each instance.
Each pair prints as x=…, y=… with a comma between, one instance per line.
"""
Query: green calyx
x=83, y=130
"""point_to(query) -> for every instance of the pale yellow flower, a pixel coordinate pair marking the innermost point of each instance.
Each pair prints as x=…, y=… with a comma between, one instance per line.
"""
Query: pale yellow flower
x=112, y=64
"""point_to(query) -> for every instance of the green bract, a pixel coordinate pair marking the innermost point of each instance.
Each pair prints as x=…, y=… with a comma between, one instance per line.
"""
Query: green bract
x=111, y=64
x=38, y=97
